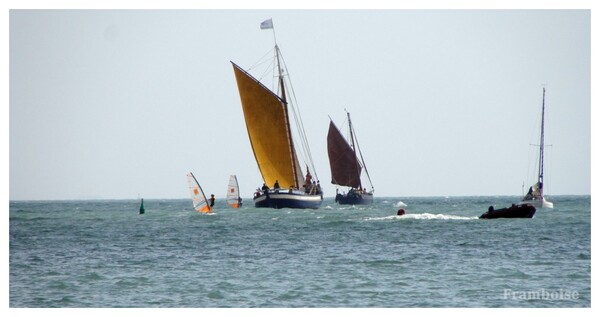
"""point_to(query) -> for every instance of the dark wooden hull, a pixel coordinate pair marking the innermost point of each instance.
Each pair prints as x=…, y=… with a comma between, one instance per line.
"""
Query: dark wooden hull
x=518, y=211
x=284, y=199
x=354, y=199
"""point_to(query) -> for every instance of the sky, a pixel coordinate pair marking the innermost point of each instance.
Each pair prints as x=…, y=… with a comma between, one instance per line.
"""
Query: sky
x=121, y=104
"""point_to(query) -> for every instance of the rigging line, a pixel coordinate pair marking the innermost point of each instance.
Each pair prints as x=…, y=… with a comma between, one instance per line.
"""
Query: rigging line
x=353, y=145
x=298, y=131
x=261, y=60
x=299, y=121
x=264, y=74
x=533, y=164
x=282, y=91
x=549, y=177
x=292, y=150
x=275, y=73
x=306, y=146
x=362, y=159
x=529, y=166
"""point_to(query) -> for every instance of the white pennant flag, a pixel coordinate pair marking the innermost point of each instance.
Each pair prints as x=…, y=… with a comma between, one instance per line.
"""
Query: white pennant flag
x=266, y=24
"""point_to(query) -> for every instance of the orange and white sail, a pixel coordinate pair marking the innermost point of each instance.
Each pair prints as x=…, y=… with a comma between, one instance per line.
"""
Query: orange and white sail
x=198, y=197
x=233, y=192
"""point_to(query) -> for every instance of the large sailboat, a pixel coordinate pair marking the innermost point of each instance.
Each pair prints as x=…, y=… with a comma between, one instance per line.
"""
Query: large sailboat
x=535, y=195
x=346, y=166
x=268, y=123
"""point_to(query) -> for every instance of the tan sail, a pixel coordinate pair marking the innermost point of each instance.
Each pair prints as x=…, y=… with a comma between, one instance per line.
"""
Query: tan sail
x=267, y=124
x=345, y=168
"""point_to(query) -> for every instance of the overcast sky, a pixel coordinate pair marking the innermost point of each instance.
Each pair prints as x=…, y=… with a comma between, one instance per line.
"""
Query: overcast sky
x=116, y=104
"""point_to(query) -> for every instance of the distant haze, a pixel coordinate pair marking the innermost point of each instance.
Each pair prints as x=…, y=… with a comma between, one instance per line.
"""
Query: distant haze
x=121, y=103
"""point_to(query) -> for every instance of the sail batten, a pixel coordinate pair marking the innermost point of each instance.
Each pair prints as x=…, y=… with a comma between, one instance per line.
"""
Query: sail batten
x=345, y=168
x=268, y=129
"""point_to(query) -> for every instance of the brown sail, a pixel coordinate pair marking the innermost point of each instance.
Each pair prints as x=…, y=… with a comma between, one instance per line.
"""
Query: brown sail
x=345, y=168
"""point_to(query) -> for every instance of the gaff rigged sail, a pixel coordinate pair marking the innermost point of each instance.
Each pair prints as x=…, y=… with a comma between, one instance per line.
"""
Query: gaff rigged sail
x=345, y=168
x=267, y=123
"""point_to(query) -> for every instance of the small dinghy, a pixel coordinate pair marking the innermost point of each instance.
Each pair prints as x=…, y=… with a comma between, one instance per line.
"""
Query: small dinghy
x=515, y=211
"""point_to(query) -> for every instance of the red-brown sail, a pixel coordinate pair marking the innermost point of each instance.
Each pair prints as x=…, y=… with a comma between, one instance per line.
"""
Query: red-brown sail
x=345, y=168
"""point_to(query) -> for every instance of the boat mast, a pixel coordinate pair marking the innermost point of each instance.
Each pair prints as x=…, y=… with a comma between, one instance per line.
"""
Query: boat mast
x=285, y=110
x=353, y=147
x=351, y=135
x=541, y=170
x=280, y=74
x=362, y=160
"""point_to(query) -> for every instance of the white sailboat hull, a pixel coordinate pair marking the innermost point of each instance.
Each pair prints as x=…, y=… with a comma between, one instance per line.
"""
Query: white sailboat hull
x=539, y=203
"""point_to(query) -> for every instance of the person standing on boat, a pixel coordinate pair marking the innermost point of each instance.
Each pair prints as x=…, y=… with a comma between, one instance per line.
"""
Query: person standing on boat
x=276, y=186
x=308, y=180
x=265, y=187
x=212, y=200
x=529, y=194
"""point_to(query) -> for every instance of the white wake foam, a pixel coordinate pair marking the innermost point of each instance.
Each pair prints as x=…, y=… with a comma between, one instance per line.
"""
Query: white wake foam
x=400, y=204
x=428, y=216
x=424, y=216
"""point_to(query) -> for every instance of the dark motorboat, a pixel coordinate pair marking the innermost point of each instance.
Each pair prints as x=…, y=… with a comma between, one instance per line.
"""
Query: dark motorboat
x=515, y=211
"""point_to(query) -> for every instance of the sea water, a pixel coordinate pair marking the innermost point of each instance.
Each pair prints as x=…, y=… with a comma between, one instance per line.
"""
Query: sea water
x=105, y=254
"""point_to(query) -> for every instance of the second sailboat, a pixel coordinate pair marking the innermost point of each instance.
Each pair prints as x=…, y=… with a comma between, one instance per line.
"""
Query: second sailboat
x=346, y=166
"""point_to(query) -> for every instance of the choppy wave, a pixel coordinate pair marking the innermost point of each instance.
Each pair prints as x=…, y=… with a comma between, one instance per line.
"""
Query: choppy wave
x=423, y=216
x=400, y=204
x=335, y=256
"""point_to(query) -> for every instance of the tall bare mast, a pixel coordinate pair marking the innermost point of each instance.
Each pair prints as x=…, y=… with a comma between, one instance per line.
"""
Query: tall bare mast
x=541, y=170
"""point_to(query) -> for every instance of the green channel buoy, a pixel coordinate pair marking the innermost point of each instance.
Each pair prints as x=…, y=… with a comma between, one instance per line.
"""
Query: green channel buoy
x=142, y=210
